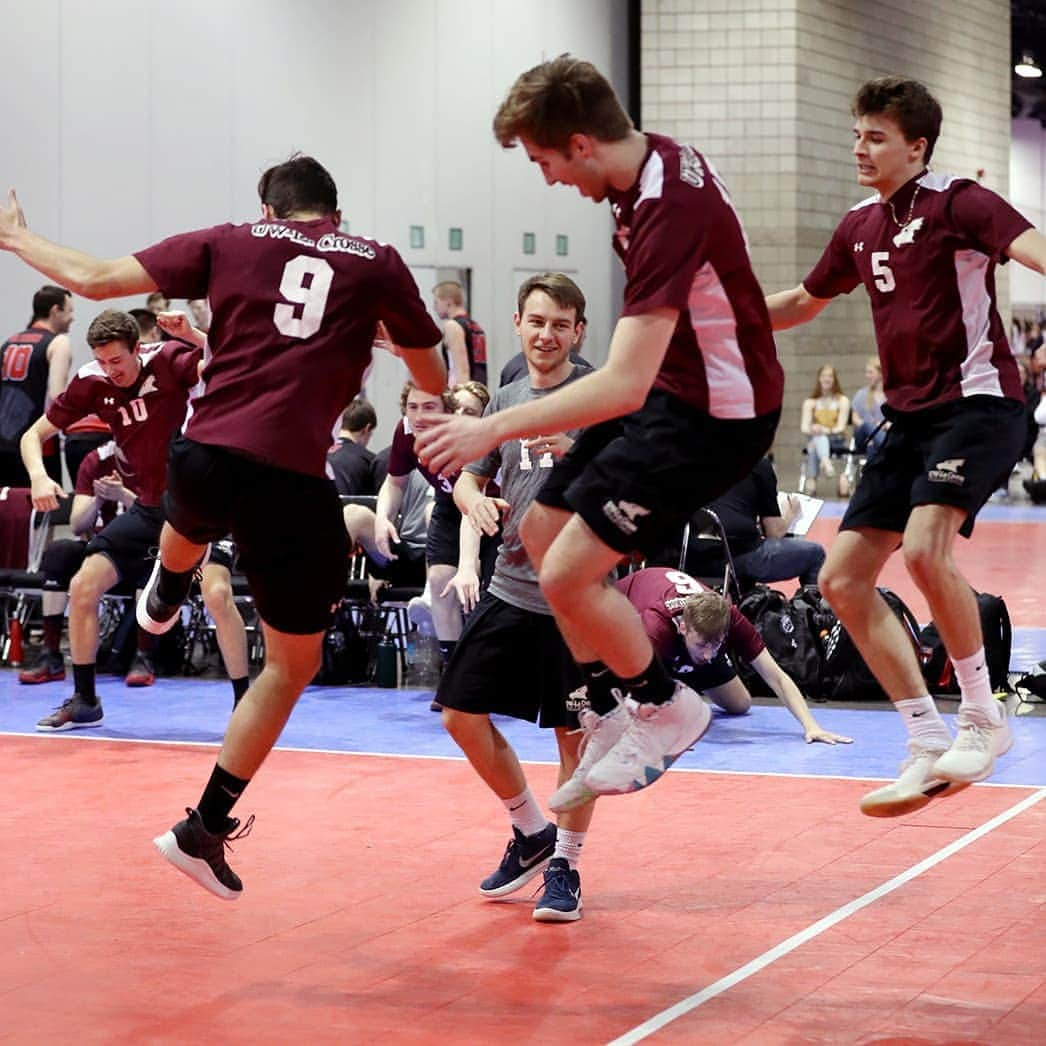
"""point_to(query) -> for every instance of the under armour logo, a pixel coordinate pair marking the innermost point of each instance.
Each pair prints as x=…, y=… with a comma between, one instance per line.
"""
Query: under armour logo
x=859, y=246
x=108, y=400
x=907, y=234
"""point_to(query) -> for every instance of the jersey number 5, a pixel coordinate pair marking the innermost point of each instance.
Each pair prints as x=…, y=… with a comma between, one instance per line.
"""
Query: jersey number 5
x=306, y=282
x=881, y=271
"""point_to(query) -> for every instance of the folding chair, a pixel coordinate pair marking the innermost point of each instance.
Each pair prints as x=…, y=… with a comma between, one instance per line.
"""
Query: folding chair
x=714, y=566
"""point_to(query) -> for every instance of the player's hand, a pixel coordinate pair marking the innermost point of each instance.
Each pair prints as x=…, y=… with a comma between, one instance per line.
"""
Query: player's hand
x=465, y=584
x=383, y=340
x=45, y=494
x=485, y=514
x=815, y=733
x=178, y=326
x=109, y=488
x=385, y=536
x=452, y=441
x=12, y=218
x=556, y=445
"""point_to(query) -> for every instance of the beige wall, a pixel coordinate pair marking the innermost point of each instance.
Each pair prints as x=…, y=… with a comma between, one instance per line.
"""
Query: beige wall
x=763, y=88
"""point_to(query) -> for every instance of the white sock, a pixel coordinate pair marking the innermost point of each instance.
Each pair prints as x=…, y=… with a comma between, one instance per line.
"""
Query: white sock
x=526, y=815
x=568, y=846
x=924, y=722
x=971, y=673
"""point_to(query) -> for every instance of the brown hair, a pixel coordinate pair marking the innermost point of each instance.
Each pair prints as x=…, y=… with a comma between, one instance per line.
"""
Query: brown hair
x=707, y=614
x=451, y=290
x=113, y=325
x=446, y=395
x=559, y=287
x=298, y=185
x=358, y=415
x=837, y=389
x=908, y=103
x=559, y=98
x=476, y=388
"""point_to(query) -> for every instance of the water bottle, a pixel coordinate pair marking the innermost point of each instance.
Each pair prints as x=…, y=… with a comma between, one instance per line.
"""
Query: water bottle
x=386, y=673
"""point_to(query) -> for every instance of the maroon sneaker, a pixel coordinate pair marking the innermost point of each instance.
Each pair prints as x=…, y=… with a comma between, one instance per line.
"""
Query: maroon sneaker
x=49, y=668
x=142, y=671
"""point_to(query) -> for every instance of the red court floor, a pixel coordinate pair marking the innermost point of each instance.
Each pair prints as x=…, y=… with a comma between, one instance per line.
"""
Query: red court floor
x=360, y=920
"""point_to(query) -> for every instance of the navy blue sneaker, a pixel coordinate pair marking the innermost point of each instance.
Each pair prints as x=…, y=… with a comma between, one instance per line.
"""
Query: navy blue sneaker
x=561, y=901
x=525, y=857
x=74, y=714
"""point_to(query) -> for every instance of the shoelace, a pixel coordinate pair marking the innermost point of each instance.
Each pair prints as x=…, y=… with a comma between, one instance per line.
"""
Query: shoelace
x=244, y=831
x=557, y=879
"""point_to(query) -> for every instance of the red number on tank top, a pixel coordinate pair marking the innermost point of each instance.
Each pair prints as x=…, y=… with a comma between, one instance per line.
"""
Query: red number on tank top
x=16, y=362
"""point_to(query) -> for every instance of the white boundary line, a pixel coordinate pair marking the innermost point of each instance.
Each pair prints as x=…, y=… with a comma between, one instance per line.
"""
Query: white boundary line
x=687, y=1005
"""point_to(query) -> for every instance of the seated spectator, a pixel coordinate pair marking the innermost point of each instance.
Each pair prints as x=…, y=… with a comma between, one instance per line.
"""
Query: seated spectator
x=826, y=413
x=867, y=409
x=470, y=397
x=350, y=463
x=148, y=329
x=693, y=630
x=157, y=302
x=200, y=309
x=757, y=534
x=405, y=565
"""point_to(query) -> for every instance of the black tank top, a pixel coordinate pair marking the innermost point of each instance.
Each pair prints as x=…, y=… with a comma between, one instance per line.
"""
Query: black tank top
x=23, y=388
x=475, y=346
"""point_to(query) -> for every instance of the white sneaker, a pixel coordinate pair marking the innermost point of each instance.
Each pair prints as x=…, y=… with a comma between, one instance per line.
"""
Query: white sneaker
x=656, y=737
x=915, y=786
x=419, y=613
x=976, y=746
x=602, y=732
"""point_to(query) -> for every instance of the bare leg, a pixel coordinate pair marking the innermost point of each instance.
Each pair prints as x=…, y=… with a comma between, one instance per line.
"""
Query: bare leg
x=446, y=610
x=291, y=661
x=216, y=588
x=94, y=578
x=177, y=553
x=491, y=756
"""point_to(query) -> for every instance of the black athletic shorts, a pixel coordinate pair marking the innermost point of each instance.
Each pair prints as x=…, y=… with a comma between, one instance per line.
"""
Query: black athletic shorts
x=60, y=561
x=130, y=542
x=958, y=454
x=711, y=674
x=288, y=529
x=637, y=480
x=511, y=662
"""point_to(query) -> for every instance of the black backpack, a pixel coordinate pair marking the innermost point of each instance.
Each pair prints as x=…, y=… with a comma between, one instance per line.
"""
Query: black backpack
x=787, y=627
x=998, y=644
x=845, y=673
x=346, y=658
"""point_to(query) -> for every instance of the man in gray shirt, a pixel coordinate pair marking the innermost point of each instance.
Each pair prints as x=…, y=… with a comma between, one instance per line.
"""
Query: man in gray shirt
x=511, y=659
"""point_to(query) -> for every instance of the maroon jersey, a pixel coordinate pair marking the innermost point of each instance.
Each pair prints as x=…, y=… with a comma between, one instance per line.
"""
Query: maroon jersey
x=102, y=461
x=142, y=416
x=931, y=285
x=660, y=594
x=683, y=248
x=403, y=460
x=294, y=306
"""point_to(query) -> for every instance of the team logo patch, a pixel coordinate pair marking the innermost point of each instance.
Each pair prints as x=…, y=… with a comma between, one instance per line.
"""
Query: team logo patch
x=907, y=234
x=577, y=700
x=623, y=514
x=149, y=385
x=948, y=471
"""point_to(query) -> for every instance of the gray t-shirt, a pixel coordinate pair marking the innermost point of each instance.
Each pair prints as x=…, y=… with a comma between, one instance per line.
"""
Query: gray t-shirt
x=515, y=580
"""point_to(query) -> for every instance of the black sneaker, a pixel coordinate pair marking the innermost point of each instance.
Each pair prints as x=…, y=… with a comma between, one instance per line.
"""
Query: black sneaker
x=525, y=857
x=561, y=901
x=201, y=855
x=73, y=714
x=154, y=614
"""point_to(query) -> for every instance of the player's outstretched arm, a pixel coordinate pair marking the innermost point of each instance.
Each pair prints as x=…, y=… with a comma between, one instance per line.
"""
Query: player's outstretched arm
x=619, y=387
x=784, y=687
x=790, y=308
x=1030, y=250
x=81, y=273
x=426, y=368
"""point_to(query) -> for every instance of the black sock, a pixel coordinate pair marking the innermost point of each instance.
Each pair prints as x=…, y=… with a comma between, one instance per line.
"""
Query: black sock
x=83, y=682
x=446, y=648
x=599, y=682
x=654, y=686
x=218, y=799
x=239, y=688
x=172, y=588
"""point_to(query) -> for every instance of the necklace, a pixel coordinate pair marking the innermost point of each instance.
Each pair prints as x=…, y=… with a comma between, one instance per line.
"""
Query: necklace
x=908, y=216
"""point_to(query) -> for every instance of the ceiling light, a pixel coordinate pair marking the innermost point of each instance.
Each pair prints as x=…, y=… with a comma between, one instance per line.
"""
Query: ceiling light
x=1027, y=68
